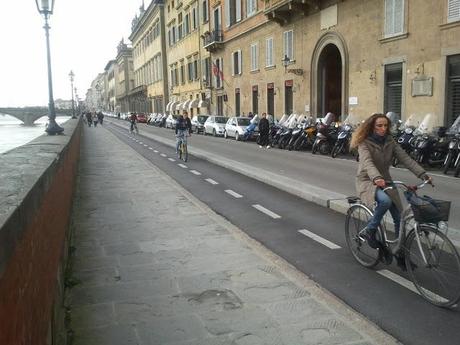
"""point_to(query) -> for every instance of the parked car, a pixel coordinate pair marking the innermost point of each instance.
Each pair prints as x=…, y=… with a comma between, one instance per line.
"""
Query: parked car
x=198, y=123
x=151, y=118
x=236, y=126
x=171, y=121
x=215, y=125
x=141, y=118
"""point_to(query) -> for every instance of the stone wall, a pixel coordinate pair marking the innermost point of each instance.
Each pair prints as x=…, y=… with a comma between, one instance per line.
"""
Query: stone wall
x=38, y=182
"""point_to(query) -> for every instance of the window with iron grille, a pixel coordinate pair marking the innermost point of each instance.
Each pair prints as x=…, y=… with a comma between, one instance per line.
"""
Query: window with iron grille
x=453, y=88
x=453, y=10
x=394, y=17
x=393, y=88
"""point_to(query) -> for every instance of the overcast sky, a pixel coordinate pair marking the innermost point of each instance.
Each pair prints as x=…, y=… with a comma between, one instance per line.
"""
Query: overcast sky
x=84, y=36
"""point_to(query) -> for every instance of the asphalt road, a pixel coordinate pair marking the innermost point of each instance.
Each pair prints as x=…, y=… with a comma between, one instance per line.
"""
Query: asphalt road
x=335, y=175
x=274, y=218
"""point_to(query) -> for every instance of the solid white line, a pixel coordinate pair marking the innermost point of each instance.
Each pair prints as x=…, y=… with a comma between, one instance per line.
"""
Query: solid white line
x=182, y=166
x=211, y=181
x=319, y=239
x=163, y=155
x=266, y=211
x=194, y=172
x=404, y=282
x=234, y=194
x=172, y=159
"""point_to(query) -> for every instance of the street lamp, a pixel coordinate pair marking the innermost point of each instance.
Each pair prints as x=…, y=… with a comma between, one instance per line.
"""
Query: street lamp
x=45, y=8
x=71, y=75
x=286, y=61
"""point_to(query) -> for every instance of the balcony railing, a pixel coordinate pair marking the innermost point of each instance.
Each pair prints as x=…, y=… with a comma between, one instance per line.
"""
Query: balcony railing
x=213, y=40
x=282, y=11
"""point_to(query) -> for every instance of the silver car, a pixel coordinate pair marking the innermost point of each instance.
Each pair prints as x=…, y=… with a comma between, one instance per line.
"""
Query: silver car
x=236, y=126
x=215, y=125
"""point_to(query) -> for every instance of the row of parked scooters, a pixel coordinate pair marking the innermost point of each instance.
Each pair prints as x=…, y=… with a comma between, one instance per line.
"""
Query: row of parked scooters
x=438, y=148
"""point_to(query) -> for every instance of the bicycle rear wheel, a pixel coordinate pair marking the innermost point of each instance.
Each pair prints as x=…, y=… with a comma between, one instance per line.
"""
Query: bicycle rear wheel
x=184, y=152
x=438, y=278
x=357, y=218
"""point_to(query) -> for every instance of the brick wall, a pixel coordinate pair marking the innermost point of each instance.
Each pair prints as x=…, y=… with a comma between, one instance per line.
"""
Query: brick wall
x=28, y=285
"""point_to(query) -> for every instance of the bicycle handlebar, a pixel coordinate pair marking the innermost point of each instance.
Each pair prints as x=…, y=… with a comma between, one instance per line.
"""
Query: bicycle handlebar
x=394, y=184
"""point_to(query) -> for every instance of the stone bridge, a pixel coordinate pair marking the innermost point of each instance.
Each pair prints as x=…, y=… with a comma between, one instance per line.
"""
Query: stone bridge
x=28, y=115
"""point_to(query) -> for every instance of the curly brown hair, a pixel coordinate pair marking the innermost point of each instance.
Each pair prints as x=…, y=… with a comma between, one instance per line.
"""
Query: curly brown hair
x=366, y=129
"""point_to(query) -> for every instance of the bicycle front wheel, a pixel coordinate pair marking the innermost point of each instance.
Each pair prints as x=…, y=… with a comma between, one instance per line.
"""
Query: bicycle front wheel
x=433, y=266
x=357, y=218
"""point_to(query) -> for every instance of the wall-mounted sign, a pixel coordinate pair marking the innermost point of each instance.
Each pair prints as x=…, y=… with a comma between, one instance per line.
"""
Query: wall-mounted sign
x=422, y=86
x=288, y=83
x=353, y=100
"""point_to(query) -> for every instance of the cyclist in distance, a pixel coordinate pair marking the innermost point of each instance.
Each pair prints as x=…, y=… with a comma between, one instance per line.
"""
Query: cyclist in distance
x=133, y=120
x=183, y=129
x=376, y=149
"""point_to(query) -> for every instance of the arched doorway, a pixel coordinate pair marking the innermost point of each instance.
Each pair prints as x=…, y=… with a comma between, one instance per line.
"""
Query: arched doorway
x=329, y=76
x=330, y=81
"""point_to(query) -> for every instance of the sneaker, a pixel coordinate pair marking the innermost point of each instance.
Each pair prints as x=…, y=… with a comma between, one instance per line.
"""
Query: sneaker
x=369, y=236
x=268, y=146
x=386, y=255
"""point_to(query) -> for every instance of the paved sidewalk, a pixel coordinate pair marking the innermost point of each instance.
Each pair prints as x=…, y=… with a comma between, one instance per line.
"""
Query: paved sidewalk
x=156, y=266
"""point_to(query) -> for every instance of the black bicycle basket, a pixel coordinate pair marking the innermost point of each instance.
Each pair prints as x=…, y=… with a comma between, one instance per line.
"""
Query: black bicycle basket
x=427, y=209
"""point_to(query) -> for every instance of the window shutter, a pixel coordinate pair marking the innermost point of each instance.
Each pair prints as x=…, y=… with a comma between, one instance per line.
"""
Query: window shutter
x=227, y=13
x=453, y=10
x=233, y=64
x=238, y=10
x=240, y=63
x=398, y=17
x=389, y=10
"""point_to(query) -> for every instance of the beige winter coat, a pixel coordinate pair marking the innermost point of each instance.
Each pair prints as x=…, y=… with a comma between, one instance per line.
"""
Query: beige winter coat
x=374, y=162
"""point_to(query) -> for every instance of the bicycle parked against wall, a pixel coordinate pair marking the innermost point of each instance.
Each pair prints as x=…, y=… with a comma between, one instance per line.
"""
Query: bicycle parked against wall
x=432, y=261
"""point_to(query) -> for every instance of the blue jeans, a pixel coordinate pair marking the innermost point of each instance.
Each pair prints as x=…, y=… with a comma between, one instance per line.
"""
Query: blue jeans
x=384, y=203
x=181, y=136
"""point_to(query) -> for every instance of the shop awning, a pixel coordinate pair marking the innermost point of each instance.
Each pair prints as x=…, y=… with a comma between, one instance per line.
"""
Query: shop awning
x=185, y=105
x=203, y=104
x=193, y=103
x=175, y=106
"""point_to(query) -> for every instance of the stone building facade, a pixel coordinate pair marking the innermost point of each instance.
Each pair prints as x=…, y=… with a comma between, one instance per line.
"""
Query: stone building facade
x=110, y=71
x=124, y=77
x=350, y=57
x=189, y=65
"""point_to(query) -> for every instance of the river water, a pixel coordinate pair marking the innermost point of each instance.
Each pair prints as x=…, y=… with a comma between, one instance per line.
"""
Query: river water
x=13, y=133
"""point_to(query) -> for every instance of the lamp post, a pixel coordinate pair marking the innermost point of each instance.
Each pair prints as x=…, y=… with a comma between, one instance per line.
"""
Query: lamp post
x=286, y=61
x=45, y=8
x=71, y=76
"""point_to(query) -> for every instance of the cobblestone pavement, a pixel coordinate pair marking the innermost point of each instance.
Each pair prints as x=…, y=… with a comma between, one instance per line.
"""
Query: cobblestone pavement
x=156, y=266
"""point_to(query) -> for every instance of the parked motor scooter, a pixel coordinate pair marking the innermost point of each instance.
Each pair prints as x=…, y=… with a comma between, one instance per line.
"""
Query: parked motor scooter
x=342, y=144
x=250, y=130
x=430, y=149
x=453, y=154
x=299, y=130
x=325, y=136
x=277, y=129
x=307, y=137
x=285, y=135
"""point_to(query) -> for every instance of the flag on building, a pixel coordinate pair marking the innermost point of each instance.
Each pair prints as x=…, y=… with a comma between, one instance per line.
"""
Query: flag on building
x=216, y=71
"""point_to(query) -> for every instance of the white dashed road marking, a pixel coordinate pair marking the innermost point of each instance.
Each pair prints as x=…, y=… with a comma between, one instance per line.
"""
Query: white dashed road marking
x=211, y=181
x=150, y=148
x=146, y=145
x=234, y=194
x=156, y=151
x=172, y=159
x=266, y=211
x=194, y=172
x=319, y=239
x=406, y=283
x=182, y=166
x=163, y=155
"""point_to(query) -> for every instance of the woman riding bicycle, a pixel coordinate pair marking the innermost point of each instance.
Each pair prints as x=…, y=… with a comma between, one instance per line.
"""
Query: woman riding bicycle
x=376, y=149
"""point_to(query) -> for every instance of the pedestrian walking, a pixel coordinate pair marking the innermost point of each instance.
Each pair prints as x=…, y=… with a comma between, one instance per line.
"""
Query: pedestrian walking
x=264, y=129
x=95, y=120
x=89, y=119
x=100, y=117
